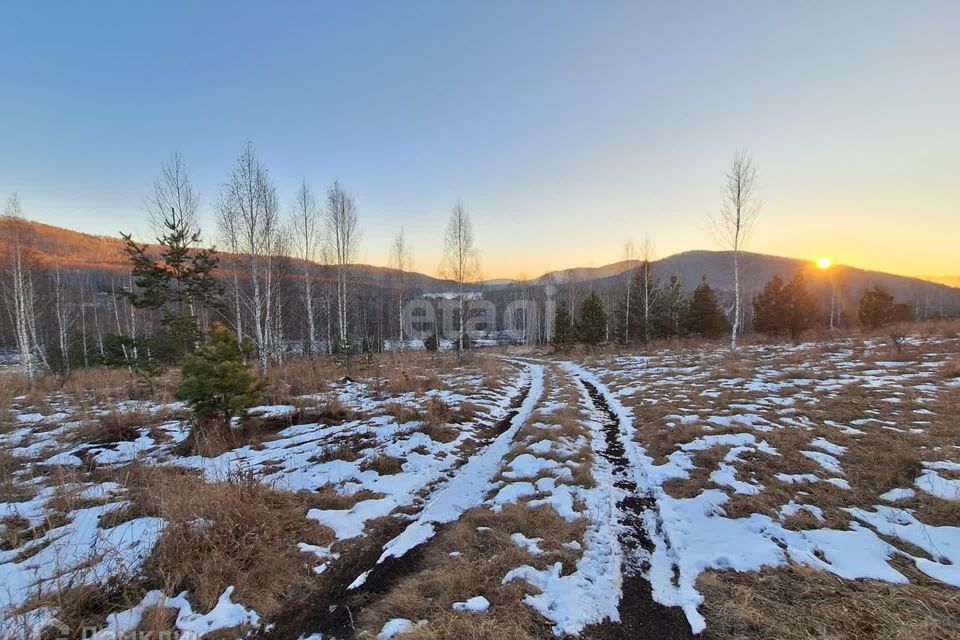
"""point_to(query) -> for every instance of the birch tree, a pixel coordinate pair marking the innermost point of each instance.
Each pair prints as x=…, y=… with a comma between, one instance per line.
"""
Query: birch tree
x=647, y=285
x=738, y=214
x=21, y=300
x=248, y=219
x=64, y=321
x=400, y=260
x=306, y=242
x=340, y=218
x=460, y=262
x=629, y=256
x=173, y=191
x=228, y=224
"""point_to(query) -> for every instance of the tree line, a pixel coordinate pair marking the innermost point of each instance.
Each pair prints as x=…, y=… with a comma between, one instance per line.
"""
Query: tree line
x=286, y=279
x=649, y=310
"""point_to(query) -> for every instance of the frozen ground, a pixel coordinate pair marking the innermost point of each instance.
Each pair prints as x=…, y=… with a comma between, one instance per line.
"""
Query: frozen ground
x=583, y=496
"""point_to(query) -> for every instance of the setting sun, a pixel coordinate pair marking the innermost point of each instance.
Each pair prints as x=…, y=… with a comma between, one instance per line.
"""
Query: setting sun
x=823, y=263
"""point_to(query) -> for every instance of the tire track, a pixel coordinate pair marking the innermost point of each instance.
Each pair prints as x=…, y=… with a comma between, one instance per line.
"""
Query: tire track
x=638, y=523
x=392, y=548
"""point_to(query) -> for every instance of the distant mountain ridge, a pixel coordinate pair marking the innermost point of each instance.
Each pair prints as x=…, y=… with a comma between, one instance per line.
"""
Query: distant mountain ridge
x=48, y=245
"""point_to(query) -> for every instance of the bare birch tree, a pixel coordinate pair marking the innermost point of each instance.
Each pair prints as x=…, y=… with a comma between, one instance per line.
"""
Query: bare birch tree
x=228, y=224
x=249, y=221
x=400, y=260
x=460, y=263
x=648, y=288
x=21, y=299
x=64, y=321
x=174, y=191
x=306, y=242
x=629, y=255
x=343, y=235
x=739, y=212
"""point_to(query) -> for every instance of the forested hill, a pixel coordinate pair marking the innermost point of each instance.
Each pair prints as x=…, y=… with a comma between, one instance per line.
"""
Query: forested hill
x=48, y=246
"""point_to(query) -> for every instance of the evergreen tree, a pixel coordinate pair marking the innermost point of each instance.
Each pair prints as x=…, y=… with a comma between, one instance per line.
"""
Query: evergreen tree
x=592, y=320
x=784, y=309
x=800, y=307
x=563, y=336
x=217, y=383
x=704, y=316
x=178, y=284
x=769, y=315
x=877, y=307
x=669, y=310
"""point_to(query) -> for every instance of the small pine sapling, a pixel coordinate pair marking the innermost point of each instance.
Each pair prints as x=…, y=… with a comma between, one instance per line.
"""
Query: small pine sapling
x=218, y=383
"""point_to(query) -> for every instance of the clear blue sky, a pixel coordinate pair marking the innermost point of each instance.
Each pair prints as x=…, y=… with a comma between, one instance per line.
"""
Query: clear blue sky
x=565, y=128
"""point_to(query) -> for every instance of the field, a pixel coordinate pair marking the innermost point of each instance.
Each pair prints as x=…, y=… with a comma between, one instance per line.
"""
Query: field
x=793, y=492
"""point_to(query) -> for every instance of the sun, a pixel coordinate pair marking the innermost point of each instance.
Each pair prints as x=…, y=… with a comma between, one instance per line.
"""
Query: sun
x=823, y=263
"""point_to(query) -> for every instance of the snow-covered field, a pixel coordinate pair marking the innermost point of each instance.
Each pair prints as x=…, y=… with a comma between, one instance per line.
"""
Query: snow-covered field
x=513, y=496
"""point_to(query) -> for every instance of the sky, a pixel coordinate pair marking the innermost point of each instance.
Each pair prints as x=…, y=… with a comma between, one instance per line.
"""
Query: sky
x=564, y=128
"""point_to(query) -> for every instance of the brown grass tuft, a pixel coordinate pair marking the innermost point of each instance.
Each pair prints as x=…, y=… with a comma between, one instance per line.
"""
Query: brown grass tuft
x=239, y=532
x=383, y=464
x=799, y=603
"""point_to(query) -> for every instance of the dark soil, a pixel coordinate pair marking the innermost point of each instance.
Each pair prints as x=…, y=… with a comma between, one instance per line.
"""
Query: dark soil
x=330, y=608
x=641, y=617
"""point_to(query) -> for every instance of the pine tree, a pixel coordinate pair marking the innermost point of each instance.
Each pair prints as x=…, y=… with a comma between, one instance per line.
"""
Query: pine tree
x=562, y=328
x=592, y=320
x=784, y=309
x=704, y=316
x=669, y=310
x=877, y=308
x=217, y=383
x=768, y=308
x=800, y=307
x=179, y=284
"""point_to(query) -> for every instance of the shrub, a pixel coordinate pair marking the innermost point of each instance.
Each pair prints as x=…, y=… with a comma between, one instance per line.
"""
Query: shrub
x=218, y=384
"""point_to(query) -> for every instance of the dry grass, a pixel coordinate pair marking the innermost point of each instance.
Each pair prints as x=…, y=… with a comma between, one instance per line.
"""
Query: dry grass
x=8, y=392
x=297, y=377
x=240, y=532
x=485, y=558
x=437, y=417
x=328, y=498
x=402, y=413
x=328, y=410
x=950, y=370
x=348, y=450
x=383, y=464
x=115, y=426
x=11, y=488
x=798, y=603
x=85, y=606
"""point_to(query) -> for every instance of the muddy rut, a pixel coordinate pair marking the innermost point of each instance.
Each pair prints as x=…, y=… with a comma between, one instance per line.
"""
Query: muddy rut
x=332, y=607
x=641, y=617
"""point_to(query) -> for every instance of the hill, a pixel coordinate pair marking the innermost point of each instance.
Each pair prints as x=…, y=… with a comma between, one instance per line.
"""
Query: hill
x=47, y=245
